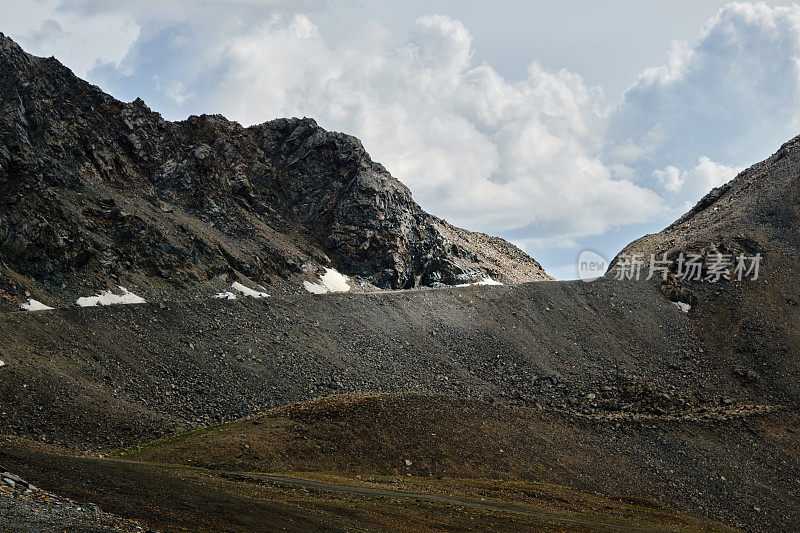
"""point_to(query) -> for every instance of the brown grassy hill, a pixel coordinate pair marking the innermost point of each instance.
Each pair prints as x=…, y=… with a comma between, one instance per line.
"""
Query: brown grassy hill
x=722, y=464
x=172, y=499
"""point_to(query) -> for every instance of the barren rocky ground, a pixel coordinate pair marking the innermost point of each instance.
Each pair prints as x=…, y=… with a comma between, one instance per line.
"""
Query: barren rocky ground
x=25, y=507
x=547, y=405
x=145, y=369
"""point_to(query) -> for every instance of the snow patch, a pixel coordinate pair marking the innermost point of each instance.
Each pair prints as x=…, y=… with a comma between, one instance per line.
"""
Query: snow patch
x=682, y=306
x=331, y=281
x=485, y=281
x=2, y=363
x=225, y=295
x=109, y=298
x=241, y=289
x=314, y=288
x=35, y=305
x=335, y=281
x=247, y=291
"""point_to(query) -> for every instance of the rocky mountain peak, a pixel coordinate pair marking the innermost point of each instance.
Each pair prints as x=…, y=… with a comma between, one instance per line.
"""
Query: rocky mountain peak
x=9, y=48
x=101, y=193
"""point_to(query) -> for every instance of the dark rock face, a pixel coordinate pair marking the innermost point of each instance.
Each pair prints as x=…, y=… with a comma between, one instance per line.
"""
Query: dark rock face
x=97, y=192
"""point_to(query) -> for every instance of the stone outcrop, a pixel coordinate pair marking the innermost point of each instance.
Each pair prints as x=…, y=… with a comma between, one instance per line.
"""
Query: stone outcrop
x=98, y=193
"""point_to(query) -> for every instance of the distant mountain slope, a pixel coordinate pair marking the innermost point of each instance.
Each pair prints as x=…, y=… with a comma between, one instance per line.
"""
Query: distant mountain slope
x=98, y=193
x=749, y=327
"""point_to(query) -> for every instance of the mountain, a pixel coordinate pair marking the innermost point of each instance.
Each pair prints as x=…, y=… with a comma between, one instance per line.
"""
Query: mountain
x=559, y=406
x=749, y=326
x=98, y=194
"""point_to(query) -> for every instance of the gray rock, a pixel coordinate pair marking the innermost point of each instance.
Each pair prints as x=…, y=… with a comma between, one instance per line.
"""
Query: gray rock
x=206, y=201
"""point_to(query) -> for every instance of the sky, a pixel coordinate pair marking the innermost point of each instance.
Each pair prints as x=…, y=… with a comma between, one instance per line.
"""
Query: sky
x=561, y=126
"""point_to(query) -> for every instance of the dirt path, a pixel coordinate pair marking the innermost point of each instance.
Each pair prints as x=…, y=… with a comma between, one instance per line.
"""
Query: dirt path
x=295, y=482
x=173, y=497
x=433, y=498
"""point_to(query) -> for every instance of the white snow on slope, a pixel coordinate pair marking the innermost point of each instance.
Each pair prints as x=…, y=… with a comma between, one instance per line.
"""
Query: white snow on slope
x=485, y=281
x=330, y=281
x=682, y=306
x=225, y=295
x=335, y=281
x=242, y=289
x=35, y=305
x=109, y=298
x=314, y=288
x=247, y=291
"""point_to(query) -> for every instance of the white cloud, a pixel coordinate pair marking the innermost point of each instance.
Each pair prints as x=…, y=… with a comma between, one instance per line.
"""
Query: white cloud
x=174, y=90
x=670, y=177
x=733, y=96
x=80, y=40
x=696, y=181
x=474, y=147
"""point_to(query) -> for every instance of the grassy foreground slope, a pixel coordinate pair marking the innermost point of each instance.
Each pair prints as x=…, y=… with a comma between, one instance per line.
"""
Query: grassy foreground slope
x=174, y=498
x=732, y=465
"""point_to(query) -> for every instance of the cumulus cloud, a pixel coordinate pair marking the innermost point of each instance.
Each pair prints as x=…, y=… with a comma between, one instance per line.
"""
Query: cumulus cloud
x=701, y=178
x=474, y=147
x=543, y=160
x=82, y=40
x=731, y=97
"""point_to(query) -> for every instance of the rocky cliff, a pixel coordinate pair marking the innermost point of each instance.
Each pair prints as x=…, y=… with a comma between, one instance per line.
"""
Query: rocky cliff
x=97, y=193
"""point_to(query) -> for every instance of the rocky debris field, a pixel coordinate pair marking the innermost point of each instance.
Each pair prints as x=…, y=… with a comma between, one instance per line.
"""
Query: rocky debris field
x=144, y=370
x=25, y=508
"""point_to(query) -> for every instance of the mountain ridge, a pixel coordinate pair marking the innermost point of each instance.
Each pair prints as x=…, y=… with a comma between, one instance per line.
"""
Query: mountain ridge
x=748, y=326
x=102, y=193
